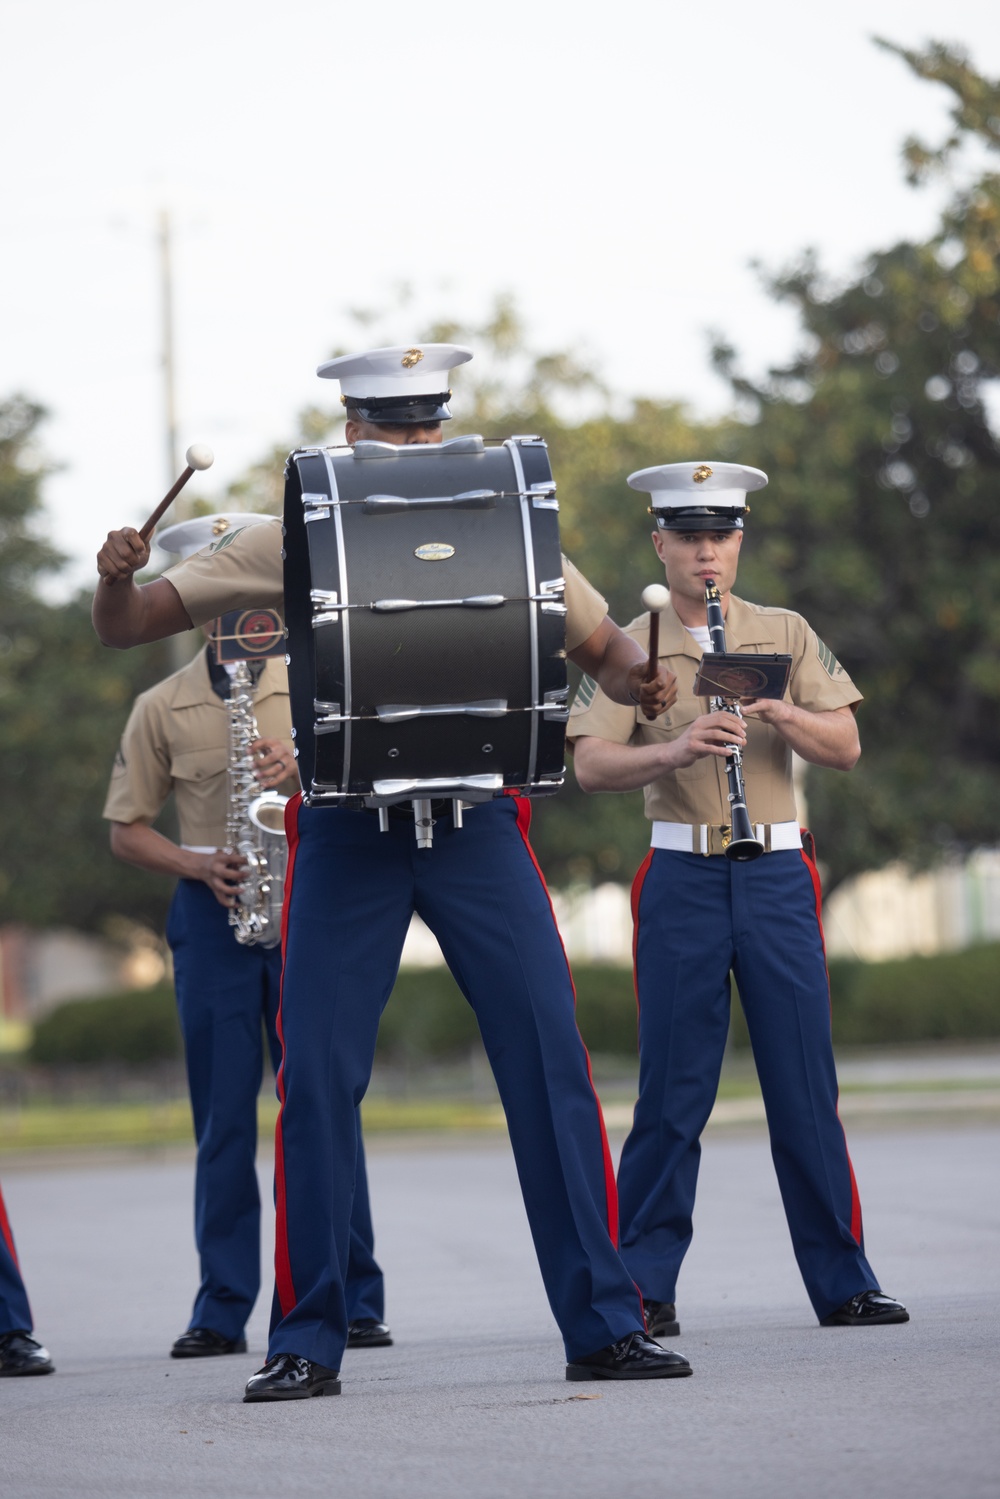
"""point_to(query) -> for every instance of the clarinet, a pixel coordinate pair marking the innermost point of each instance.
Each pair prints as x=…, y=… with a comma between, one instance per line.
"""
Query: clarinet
x=738, y=840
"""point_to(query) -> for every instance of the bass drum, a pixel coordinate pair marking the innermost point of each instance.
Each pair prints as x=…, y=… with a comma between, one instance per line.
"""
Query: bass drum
x=424, y=602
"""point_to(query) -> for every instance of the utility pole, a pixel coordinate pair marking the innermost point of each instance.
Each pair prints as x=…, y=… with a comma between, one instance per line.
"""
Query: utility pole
x=180, y=648
x=167, y=336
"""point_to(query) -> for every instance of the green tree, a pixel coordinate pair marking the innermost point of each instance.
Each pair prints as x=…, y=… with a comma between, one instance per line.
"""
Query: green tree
x=881, y=523
x=63, y=703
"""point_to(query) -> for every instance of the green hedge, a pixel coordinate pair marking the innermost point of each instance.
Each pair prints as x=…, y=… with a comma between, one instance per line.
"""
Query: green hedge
x=952, y=996
x=427, y=1015
x=133, y=1027
x=948, y=997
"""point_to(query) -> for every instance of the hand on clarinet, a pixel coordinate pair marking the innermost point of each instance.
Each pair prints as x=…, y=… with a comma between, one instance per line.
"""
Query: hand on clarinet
x=772, y=710
x=122, y=555
x=711, y=734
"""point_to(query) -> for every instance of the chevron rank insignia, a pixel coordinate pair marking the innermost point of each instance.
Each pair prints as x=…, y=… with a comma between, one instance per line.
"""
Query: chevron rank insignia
x=828, y=660
x=585, y=694
x=226, y=539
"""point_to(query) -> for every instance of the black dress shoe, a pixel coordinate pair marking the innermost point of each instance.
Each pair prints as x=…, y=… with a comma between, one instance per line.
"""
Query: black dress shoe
x=867, y=1309
x=288, y=1377
x=368, y=1332
x=202, y=1342
x=20, y=1354
x=661, y=1319
x=632, y=1357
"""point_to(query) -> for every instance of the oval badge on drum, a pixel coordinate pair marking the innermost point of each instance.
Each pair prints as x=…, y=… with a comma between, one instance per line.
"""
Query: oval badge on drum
x=434, y=551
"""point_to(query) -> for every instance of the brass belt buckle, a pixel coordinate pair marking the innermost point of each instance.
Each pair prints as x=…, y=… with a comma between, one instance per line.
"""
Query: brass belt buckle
x=726, y=834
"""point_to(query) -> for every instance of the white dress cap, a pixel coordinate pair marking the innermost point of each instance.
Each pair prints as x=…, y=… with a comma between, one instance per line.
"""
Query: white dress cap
x=189, y=536
x=698, y=496
x=715, y=486
x=414, y=370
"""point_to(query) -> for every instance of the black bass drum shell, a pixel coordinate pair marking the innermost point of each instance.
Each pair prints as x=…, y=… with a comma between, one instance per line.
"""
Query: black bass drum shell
x=356, y=532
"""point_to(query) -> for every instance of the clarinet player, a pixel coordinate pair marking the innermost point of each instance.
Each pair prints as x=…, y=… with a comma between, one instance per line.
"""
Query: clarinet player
x=701, y=917
x=177, y=741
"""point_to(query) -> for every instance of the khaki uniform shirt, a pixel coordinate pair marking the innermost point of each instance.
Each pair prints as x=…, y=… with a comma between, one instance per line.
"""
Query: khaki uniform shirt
x=699, y=793
x=177, y=739
x=243, y=570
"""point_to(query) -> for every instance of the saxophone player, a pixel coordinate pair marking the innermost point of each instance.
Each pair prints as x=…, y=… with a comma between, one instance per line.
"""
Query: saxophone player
x=700, y=917
x=177, y=740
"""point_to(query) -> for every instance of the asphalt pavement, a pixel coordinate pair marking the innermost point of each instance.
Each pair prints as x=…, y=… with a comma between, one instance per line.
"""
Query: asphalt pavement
x=472, y=1402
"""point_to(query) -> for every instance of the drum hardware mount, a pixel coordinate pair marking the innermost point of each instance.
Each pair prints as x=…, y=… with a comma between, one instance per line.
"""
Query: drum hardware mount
x=469, y=499
x=554, y=708
x=397, y=606
x=401, y=712
x=316, y=506
x=327, y=602
x=369, y=449
x=469, y=789
x=542, y=497
x=423, y=822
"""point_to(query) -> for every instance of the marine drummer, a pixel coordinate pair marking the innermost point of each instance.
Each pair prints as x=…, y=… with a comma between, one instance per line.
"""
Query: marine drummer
x=700, y=917
x=348, y=907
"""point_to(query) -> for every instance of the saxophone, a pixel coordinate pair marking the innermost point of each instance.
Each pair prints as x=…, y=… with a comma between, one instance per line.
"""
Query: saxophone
x=255, y=826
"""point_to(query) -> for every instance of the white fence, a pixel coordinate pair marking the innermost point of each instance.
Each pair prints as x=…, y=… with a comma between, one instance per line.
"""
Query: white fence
x=887, y=914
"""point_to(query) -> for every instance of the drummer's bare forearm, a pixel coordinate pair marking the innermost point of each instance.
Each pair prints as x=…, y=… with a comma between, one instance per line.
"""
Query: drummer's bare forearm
x=129, y=613
x=606, y=655
x=619, y=665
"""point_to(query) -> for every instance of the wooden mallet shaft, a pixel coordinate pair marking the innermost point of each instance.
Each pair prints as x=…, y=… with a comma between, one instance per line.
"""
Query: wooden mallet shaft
x=198, y=457
x=655, y=598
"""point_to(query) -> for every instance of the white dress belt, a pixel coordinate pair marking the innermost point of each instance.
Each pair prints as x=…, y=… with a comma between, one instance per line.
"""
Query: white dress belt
x=697, y=838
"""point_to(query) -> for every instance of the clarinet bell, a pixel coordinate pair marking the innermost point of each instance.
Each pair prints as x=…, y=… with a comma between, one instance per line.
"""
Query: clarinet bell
x=740, y=845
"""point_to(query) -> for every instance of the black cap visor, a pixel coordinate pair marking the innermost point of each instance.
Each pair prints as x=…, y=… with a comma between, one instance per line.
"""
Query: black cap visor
x=699, y=518
x=400, y=411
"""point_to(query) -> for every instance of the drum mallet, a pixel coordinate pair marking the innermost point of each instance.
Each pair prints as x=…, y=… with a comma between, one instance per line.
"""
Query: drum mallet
x=199, y=455
x=655, y=598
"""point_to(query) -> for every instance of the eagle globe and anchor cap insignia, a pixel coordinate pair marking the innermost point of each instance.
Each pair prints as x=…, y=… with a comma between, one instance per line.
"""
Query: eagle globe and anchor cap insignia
x=411, y=358
x=434, y=551
x=701, y=473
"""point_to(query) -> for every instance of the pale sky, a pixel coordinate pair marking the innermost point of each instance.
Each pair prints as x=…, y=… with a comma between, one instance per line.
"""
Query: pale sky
x=615, y=169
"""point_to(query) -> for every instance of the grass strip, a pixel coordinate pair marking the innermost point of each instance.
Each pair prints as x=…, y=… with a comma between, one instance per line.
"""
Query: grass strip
x=168, y=1122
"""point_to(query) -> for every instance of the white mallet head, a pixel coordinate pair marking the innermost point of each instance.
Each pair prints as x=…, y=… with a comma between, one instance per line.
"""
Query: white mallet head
x=655, y=597
x=199, y=455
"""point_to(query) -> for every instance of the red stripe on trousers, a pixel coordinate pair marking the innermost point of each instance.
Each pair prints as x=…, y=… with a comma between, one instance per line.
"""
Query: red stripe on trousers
x=5, y=1229
x=523, y=823
x=637, y=884
x=282, y=1261
x=856, y=1225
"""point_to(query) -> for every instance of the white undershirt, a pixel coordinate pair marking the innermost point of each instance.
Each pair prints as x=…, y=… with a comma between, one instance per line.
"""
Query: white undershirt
x=702, y=634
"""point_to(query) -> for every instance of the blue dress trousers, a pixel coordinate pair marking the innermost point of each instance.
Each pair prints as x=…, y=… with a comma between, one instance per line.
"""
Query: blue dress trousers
x=227, y=1000
x=349, y=901
x=15, y=1313
x=696, y=921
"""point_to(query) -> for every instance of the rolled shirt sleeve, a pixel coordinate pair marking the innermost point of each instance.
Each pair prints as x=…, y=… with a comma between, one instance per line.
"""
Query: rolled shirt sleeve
x=242, y=570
